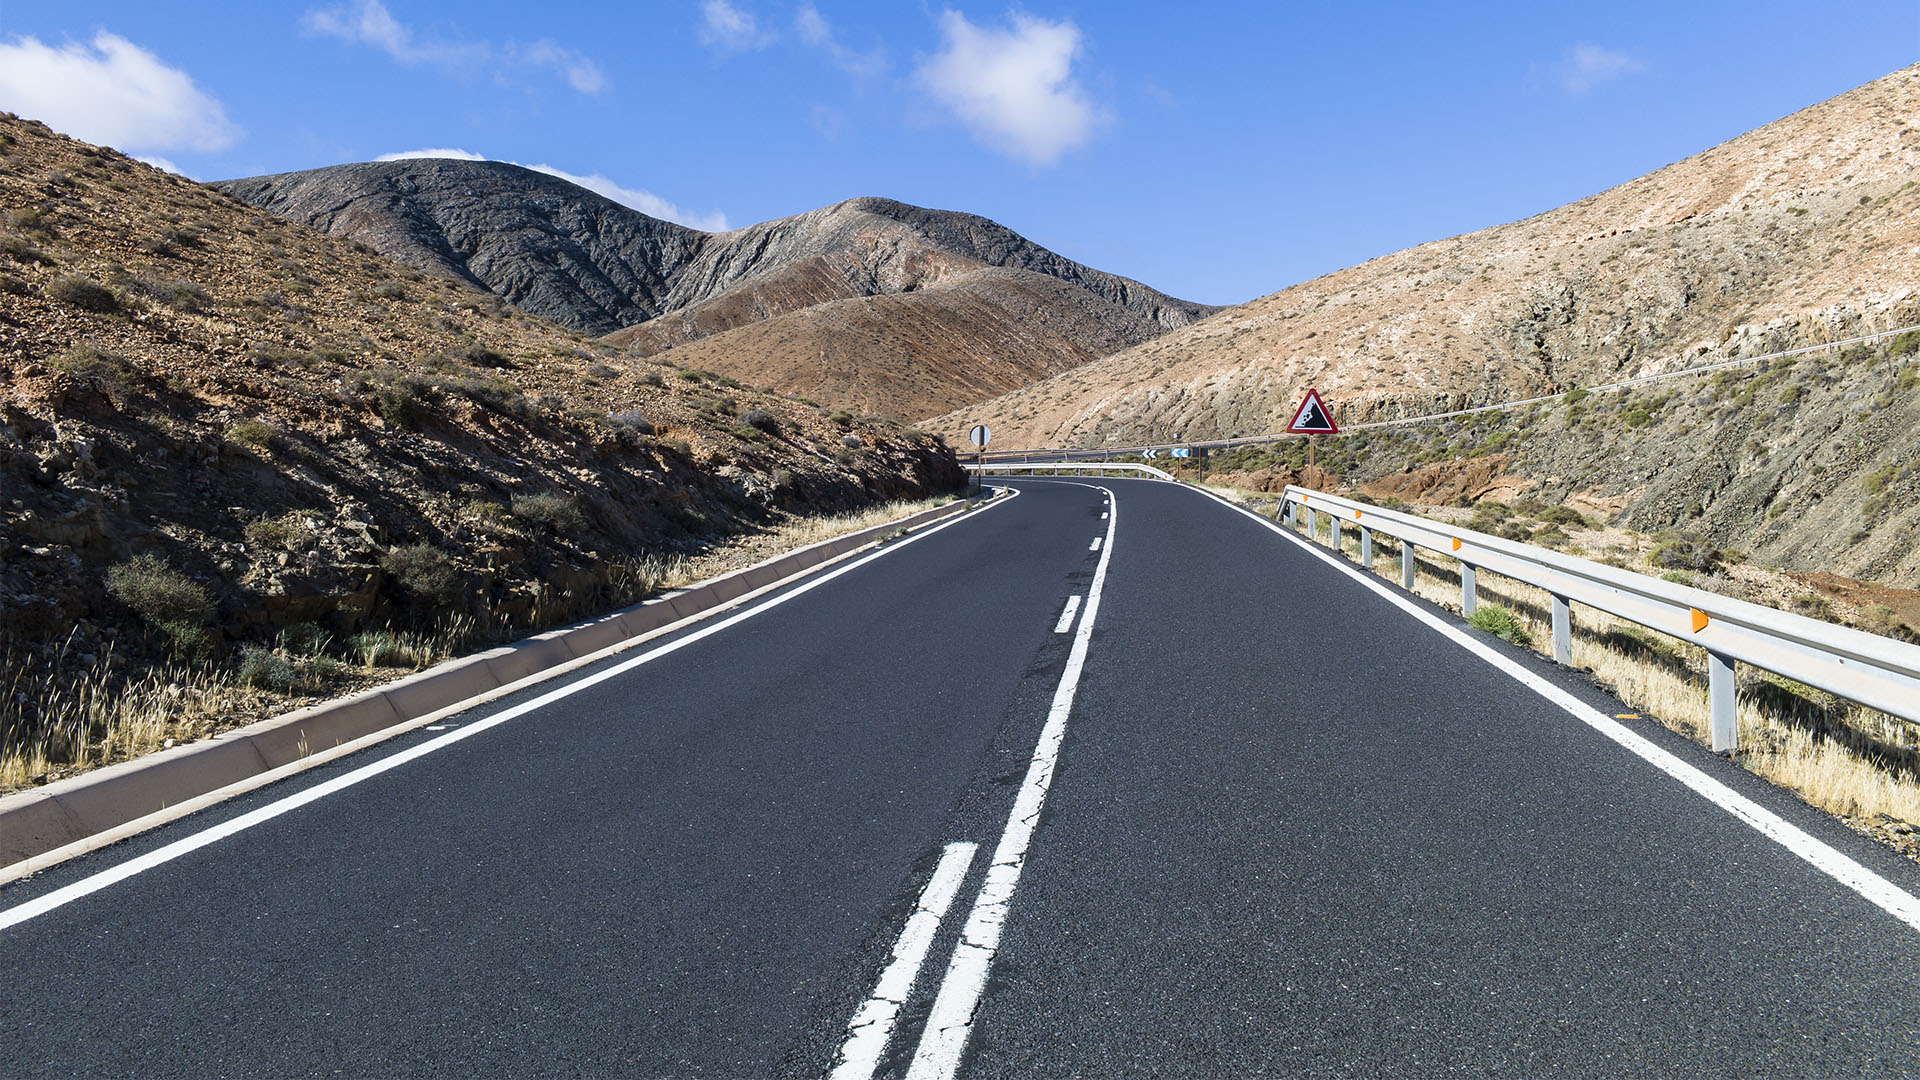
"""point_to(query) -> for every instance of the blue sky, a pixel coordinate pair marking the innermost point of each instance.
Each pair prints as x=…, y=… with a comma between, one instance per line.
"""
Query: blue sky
x=1215, y=151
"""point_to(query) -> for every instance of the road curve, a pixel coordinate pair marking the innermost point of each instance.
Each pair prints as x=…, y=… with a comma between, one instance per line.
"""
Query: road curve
x=1266, y=823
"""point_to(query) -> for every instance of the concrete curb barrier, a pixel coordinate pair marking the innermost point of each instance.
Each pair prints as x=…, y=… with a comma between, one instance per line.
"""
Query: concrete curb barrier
x=69, y=813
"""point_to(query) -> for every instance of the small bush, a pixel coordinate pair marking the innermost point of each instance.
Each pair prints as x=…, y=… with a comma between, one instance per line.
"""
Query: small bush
x=633, y=420
x=551, y=511
x=602, y=372
x=763, y=420
x=265, y=668
x=257, y=434
x=85, y=293
x=157, y=592
x=390, y=290
x=1562, y=516
x=176, y=293
x=425, y=572
x=841, y=417
x=19, y=249
x=90, y=362
x=746, y=433
x=1501, y=623
x=288, y=532
x=1685, y=551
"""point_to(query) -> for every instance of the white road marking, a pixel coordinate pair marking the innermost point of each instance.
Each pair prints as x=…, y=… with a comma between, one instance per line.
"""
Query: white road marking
x=1095, y=546
x=871, y=1027
x=1066, y=617
x=945, y=1038
x=1822, y=856
x=1103, y=516
x=67, y=894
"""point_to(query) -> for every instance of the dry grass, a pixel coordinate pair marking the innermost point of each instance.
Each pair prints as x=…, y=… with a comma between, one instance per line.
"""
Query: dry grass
x=93, y=720
x=1854, y=762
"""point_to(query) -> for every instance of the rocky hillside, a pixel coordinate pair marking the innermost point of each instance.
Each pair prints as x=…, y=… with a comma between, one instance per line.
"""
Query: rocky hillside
x=1800, y=232
x=590, y=264
x=217, y=425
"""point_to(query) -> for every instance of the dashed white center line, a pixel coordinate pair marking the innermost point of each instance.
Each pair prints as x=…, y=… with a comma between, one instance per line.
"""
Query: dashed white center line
x=1066, y=617
x=868, y=1033
x=1095, y=546
x=944, y=1040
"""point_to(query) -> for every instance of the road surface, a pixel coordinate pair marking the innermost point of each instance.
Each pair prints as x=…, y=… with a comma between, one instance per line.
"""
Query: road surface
x=1106, y=779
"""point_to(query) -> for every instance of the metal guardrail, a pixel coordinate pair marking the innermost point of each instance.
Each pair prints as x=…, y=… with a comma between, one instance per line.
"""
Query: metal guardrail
x=1055, y=468
x=1874, y=671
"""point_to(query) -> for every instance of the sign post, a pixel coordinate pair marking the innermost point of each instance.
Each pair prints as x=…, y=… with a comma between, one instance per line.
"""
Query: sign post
x=1312, y=418
x=978, y=435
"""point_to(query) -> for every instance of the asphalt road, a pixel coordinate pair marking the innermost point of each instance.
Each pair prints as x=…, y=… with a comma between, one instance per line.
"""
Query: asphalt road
x=1291, y=830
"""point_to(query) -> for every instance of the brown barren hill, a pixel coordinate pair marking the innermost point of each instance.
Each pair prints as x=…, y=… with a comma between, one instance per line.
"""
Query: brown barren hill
x=571, y=256
x=911, y=355
x=219, y=428
x=1802, y=232
x=1805, y=226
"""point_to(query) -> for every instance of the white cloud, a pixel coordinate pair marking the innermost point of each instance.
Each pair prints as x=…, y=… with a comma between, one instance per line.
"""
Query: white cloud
x=433, y=152
x=644, y=201
x=368, y=22
x=727, y=27
x=1587, y=66
x=816, y=32
x=1013, y=88
x=160, y=163
x=582, y=74
x=113, y=93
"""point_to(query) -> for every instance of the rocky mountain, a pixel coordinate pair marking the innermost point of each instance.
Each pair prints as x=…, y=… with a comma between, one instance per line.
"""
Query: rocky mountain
x=1800, y=232
x=566, y=254
x=218, y=427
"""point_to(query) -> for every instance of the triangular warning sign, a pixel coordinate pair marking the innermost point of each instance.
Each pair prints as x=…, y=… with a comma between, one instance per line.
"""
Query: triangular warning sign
x=1312, y=418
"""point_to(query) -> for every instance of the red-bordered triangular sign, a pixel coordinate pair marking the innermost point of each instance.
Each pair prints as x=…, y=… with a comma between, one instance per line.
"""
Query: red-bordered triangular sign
x=1313, y=417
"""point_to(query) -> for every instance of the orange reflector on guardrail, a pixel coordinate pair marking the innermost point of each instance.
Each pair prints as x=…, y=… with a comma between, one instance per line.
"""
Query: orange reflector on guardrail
x=1456, y=543
x=1699, y=619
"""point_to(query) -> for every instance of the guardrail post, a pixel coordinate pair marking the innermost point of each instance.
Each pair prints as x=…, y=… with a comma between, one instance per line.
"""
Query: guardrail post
x=1467, y=597
x=1720, y=701
x=1562, y=630
x=1286, y=509
x=1366, y=547
x=1333, y=531
x=1406, y=564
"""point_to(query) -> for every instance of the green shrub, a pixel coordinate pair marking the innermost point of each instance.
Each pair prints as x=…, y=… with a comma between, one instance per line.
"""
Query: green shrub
x=255, y=433
x=1685, y=551
x=390, y=290
x=1562, y=515
x=265, y=668
x=157, y=592
x=1552, y=537
x=425, y=572
x=552, y=511
x=1501, y=623
x=763, y=420
x=85, y=293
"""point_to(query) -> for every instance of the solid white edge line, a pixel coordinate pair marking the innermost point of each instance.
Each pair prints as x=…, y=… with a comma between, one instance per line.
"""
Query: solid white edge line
x=944, y=1040
x=1822, y=856
x=872, y=1025
x=1066, y=617
x=86, y=886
